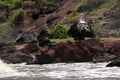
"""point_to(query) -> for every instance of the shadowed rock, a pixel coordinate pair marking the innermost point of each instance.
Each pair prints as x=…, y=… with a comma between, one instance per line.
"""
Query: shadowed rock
x=44, y=59
x=19, y=57
x=79, y=33
x=114, y=63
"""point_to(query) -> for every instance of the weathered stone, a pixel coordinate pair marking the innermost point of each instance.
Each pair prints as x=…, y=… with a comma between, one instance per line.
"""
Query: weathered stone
x=44, y=59
x=19, y=57
x=72, y=51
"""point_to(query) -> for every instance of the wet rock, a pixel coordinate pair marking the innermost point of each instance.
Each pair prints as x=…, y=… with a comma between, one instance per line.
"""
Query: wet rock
x=44, y=59
x=114, y=63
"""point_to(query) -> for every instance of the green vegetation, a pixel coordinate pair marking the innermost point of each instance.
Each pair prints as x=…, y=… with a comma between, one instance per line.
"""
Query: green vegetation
x=73, y=16
x=61, y=40
x=10, y=3
x=17, y=16
x=5, y=28
x=58, y=31
x=6, y=25
x=14, y=20
x=3, y=5
x=10, y=42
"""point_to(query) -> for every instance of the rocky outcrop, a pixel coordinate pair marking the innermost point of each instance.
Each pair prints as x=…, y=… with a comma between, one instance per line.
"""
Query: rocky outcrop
x=72, y=52
x=45, y=51
x=10, y=54
x=19, y=57
x=113, y=48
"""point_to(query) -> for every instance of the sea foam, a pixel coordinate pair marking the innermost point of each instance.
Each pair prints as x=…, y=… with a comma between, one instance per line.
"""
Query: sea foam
x=5, y=68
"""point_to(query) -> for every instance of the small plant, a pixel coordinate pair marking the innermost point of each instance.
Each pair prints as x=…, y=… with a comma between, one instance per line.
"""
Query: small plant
x=6, y=25
x=58, y=31
x=17, y=16
x=5, y=28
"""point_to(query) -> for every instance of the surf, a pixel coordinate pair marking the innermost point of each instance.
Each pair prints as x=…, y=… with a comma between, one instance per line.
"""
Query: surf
x=5, y=68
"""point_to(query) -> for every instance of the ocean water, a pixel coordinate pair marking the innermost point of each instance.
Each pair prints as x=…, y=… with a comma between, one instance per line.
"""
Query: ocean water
x=59, y=70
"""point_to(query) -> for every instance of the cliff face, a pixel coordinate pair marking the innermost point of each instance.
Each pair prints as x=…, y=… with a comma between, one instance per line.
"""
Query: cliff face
x=38, y=16
x=33, y=16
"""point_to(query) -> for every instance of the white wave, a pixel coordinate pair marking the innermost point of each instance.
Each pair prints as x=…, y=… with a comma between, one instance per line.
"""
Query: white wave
x=5, y=68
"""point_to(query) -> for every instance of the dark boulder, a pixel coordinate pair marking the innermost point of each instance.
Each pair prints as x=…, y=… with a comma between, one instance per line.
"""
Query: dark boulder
x=43, y=59
x=19, y=57
x=20, y=40
x=41, y=35
x=114, y=63
x=44, y=42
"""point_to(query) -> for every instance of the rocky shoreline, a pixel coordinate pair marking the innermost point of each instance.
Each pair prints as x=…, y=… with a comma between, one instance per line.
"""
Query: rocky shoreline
x=45, y=51
x=40, y=17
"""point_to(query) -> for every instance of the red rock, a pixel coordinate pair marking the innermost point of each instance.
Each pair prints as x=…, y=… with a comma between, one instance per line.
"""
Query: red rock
x=72, y=51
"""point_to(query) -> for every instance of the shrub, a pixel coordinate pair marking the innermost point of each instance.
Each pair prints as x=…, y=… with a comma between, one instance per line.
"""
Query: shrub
x=2, y=5
x=10, y=3
x=58, y=31
x=17, y=16
x=6, y=25
x=5, y=28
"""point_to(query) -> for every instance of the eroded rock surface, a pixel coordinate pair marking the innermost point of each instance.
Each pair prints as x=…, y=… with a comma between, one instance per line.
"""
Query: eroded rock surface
x=45, y=51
